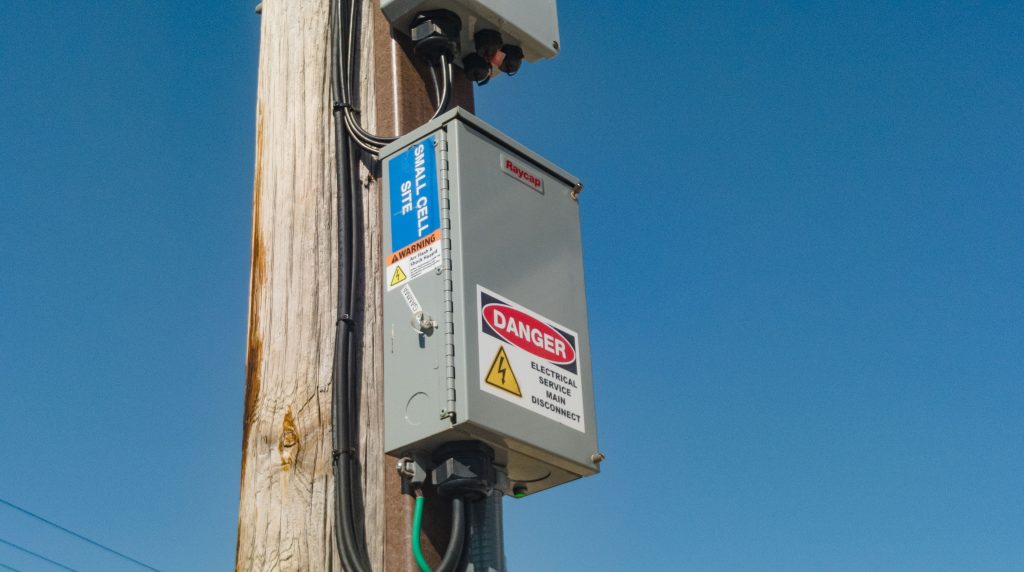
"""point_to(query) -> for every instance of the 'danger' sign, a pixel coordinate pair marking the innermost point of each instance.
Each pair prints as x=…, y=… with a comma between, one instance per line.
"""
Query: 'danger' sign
x=529, y=360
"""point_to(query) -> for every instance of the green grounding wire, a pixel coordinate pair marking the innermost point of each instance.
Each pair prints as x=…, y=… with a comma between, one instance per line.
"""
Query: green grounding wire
x=417, y=521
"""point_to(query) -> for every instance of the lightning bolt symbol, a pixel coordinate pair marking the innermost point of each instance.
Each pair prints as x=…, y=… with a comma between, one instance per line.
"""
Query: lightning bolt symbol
x=501, y=369
x=500, y=374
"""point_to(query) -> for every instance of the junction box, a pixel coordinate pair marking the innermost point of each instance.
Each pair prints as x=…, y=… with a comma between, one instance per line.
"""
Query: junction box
x=531, y=25
x=485, y=314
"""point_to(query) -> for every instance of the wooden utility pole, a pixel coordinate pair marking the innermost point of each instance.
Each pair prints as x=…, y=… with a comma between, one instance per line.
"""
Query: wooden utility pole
x=287, y=501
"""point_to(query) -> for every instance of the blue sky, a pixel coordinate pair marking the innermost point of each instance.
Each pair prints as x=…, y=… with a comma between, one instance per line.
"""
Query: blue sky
x=804, y=240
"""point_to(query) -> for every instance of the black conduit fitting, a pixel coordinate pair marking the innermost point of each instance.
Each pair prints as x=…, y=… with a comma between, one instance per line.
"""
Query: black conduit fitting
x=464, y=469
x=464, y=472
x=435, y=34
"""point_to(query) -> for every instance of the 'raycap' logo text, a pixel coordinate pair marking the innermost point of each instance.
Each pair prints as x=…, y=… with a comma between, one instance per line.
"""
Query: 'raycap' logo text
x=522, y=174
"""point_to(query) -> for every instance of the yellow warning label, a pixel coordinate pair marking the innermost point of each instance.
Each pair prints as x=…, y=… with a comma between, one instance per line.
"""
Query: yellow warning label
x=398, y=277
x=501, y=374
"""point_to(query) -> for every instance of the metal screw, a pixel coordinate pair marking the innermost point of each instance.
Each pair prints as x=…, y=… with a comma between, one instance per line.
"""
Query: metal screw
x=596, y=458
x=554, y=45
x=437, y=271
x=405, y=468
x=575, y=192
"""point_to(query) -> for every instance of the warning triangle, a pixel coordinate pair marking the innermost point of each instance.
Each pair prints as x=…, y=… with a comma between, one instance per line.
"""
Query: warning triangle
x=500, y=374
x=398, y=277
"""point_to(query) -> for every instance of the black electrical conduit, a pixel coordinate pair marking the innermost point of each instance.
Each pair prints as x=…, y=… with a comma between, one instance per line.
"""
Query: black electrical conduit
x=343, y=25
x=454, y=554
x=352, y=551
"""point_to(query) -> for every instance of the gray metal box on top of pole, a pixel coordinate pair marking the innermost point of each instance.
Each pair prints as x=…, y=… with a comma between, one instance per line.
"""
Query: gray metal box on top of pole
x=529, y=24
x=485, y=314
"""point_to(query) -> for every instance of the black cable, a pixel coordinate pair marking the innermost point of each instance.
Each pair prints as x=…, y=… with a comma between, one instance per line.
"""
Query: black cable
x=453, y=554
x=348, y=134
x=343, y=25
x=36, y=554
x=343, y=35
x=437, y=86
x=353, y=557
x=11, y=568
x=446, y=87
x=76, y=535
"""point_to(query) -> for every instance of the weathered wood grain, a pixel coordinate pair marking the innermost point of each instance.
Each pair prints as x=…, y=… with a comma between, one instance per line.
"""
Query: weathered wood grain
x=286, y=491
x=286, y=505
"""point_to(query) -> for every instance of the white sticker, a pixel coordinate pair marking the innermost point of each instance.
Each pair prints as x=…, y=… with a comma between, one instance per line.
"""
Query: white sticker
x=400, y=270
x=411, y=301
x=529, y=360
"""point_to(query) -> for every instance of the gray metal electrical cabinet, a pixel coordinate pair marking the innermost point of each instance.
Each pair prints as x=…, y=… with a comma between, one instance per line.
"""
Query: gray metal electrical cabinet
x=485, y=315
x=530, y=24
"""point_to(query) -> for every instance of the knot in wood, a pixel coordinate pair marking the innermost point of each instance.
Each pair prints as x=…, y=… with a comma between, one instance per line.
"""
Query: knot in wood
x=288, y=442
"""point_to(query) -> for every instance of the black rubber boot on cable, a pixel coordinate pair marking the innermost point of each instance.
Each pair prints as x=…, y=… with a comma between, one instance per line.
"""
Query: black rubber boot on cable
x=464, y=472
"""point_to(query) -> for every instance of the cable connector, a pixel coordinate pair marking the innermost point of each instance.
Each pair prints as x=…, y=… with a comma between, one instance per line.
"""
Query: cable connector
x=464, y=469
x=435, y=33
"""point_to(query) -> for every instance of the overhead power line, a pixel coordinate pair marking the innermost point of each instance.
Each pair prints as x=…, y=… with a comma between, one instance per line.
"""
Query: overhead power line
x=76, y=535
x=11, y=568
x=36, y=554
